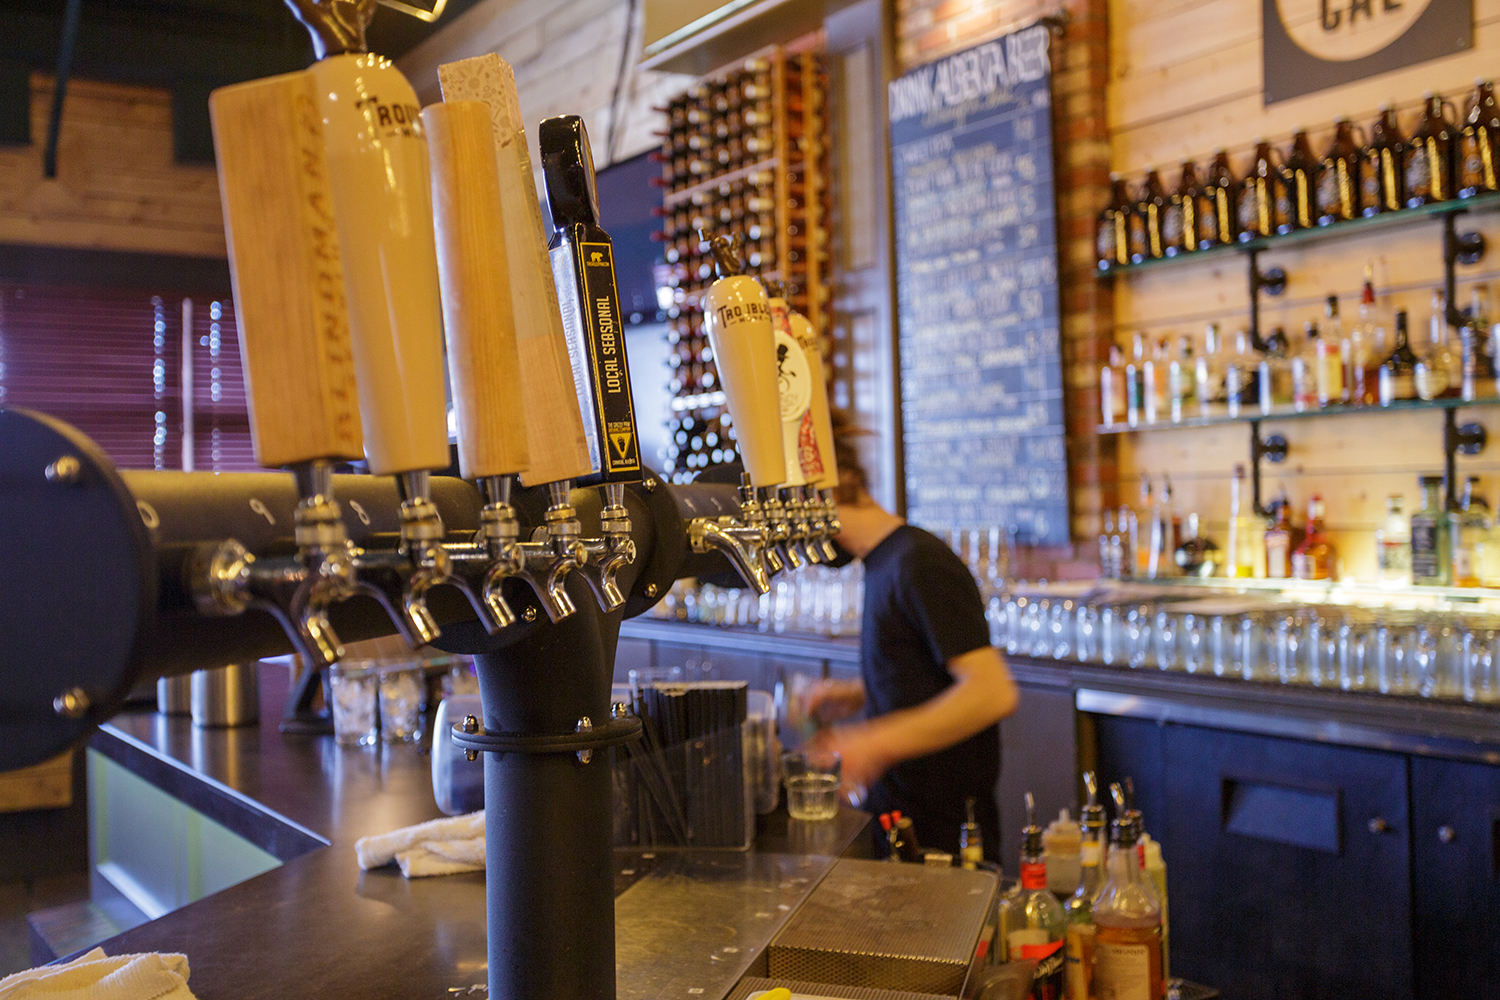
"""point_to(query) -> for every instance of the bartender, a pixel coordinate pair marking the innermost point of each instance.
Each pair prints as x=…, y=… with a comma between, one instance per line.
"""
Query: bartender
x=919, y=730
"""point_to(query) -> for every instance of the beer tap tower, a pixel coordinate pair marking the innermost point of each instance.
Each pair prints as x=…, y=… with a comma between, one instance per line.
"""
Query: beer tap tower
x=111, y=577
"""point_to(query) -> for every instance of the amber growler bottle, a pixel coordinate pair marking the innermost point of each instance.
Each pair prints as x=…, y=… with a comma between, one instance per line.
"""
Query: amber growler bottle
x=1382, y=170
x=1113, y=235
x=1429, y=155
x=1219, y=204
x=1338, y=176
x=1479, y=143
x=1262, y=196
x=1179, y=222
x=1301, y=174
x=1150, y=205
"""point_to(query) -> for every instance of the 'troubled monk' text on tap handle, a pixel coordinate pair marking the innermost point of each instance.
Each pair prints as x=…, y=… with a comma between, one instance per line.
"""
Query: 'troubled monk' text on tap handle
x=583, y=269
x=377, y=161
x=294, y=342
x=819, y=464
x=557, y=450
x=479, y=323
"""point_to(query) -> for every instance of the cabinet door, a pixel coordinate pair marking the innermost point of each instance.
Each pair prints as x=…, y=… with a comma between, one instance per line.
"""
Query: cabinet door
x=1456, y=863
x=1288, y=866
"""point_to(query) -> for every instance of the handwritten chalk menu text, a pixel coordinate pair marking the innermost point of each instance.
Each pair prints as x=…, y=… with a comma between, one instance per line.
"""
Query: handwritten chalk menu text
x=976, y=270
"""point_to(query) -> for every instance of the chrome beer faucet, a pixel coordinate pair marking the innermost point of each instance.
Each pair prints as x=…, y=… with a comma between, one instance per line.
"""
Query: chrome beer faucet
x=612, y=552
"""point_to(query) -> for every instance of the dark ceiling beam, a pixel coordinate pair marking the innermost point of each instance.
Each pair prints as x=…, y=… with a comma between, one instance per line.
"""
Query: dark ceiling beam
x=71, y=17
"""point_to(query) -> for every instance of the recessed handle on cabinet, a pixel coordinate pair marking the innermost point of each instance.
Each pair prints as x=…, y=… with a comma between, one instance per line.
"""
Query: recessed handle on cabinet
x=1446, y=834
x=1378, y=825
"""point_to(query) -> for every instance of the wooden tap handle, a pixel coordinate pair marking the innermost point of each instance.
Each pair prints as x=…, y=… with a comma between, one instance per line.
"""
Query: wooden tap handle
x=483, y=366
x=737, y=317
x=285, y=266
x=556, y=446
x=821, y=470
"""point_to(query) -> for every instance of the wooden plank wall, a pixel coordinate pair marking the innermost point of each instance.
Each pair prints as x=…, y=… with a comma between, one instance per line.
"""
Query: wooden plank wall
x=117, y=187
x=1185, y=78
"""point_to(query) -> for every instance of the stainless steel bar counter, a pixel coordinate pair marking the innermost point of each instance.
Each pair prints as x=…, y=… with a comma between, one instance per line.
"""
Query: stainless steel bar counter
x=690, y=924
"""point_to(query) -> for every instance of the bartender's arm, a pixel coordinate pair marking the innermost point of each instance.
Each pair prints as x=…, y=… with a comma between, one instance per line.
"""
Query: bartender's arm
x=982, y=693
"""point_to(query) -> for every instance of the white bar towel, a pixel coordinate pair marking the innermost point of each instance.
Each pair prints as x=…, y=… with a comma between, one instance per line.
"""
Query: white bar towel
x=438, y=847
x=94, y=976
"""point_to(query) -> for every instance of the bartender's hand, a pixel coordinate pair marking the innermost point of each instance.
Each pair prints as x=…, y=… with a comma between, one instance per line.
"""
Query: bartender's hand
x=833, y=700
x=865, y=760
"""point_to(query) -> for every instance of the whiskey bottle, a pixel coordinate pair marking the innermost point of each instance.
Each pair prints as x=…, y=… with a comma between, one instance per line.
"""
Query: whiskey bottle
x=1338, y=176
x=1314, y=558
x=1429, y=155
x=1393, y=544
x=1383, y=166
x=1239, y=556
x=1127, y=924
x=1219, y=204
x=1280, y=539
x=1196, y=555
x=1113, y=240
x=1398, y=370
x=1179, y=222
x=1301, y=174
x=1469, y=529
x=1330, y=357
x=1479, y=143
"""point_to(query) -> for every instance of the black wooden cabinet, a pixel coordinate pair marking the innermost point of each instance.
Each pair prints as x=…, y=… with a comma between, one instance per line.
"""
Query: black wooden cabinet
x=1456, y=864
x=1289, y=865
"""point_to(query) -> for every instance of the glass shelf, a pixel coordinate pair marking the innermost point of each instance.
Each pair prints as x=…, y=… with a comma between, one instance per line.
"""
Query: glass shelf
x=1354, y=227
x=1249, y=414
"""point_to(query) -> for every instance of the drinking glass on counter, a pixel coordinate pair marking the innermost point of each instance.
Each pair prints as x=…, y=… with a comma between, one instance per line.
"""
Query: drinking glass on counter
x=812, y=779
x=356, y=718
x=402, y=687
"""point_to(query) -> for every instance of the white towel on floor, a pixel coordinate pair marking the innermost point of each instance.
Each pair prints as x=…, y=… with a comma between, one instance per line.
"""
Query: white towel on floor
x=438, y=847
x=94, y=976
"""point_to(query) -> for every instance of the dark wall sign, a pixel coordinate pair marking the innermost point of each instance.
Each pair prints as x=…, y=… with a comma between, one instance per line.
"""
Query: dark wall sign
x=976, y=271
x=1316, y=44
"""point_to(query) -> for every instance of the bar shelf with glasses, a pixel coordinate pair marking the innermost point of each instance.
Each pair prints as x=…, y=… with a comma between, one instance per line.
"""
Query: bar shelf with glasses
x=1341, y=637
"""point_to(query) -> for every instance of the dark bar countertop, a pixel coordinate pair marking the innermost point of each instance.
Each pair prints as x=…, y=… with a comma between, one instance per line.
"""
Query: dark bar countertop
x=318, y=927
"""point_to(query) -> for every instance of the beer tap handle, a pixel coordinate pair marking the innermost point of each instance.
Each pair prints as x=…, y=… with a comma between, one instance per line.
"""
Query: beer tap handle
x=479, y=321
x=557, y=448
x=820, y=464
x=288, y=280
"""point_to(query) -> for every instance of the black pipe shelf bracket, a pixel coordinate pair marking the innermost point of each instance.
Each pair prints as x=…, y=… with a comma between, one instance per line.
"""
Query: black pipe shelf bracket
x=1272, y=282
x=1458, y=248
x=1273, y=449
x=1468, y=439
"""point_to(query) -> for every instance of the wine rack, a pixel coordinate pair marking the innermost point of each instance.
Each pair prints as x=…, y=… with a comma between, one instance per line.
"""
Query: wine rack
x=745, y=152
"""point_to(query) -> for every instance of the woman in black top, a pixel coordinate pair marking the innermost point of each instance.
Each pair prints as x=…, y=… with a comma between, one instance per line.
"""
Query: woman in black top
x=932, y=689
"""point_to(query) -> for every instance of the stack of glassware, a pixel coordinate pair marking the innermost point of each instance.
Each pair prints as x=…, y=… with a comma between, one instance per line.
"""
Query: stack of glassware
x=816, y=599
x=1436, y=652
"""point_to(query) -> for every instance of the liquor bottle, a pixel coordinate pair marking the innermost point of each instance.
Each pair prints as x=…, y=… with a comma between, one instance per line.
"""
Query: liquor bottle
x=1035, y=926
x=1338, y=176
x=1330, y=357
x=1429, y=155
x=1274, y=376
x=1196, y=555
x=1181, y=380
x=1146, y=532
x=1240, y=552
x=1314, y=558
x=1179, y=221
x=1112, y=408
x=1135, y=382
x=1383, y=166
x=970, y=839
x=1150, y=204
x=1280, y=539
x=1438, y=372
x=1208, y=373
x=1431, y=563
x=1360, y=384
x=1262, y=196
x=1398, y=370
x=1169, y=529
x=1477, y=365
x=1393, y=544
x=1218, y=204
x=1114, y=226
x=1154, y=383
x=1239, y=377
x=1479, y=143
x=1078, y=911
x=1301, y=173
x=1468, y=528
x=1304, y=364
x=1127, y=925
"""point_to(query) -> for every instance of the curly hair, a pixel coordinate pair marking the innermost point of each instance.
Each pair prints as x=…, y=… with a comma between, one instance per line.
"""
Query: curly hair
x=853, y=479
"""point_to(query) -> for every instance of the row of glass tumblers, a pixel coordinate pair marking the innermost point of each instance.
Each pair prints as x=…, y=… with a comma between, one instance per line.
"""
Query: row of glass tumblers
x=1433, y=654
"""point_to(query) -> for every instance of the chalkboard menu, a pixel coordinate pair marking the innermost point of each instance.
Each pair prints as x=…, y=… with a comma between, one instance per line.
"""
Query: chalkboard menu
x=976, y=271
